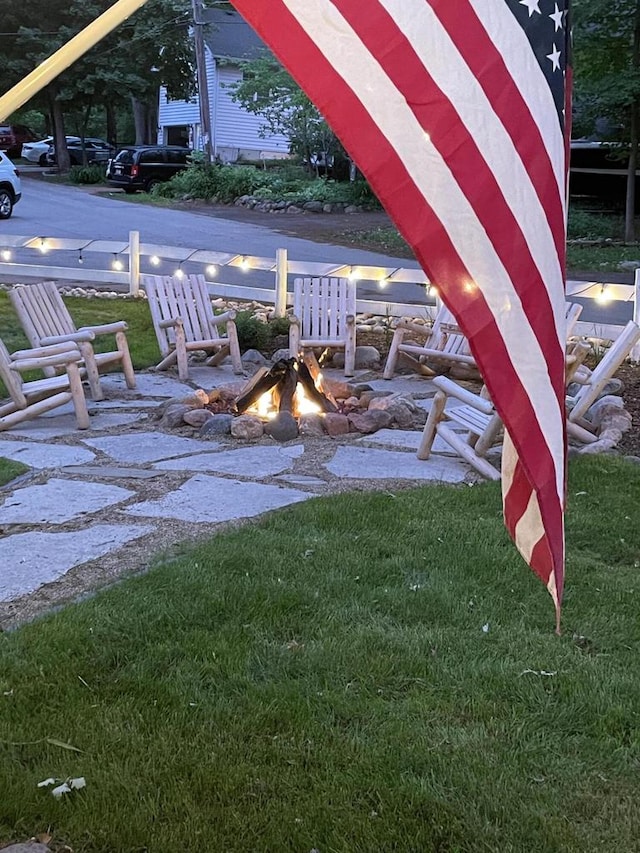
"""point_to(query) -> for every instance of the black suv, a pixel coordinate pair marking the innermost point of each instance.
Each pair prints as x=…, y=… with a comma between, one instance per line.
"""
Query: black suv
x=140, y=167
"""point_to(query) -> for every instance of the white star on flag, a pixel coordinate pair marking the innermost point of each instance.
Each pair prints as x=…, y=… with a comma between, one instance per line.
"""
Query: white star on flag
x=554, y=56
x=557, y=17
x=532, y=6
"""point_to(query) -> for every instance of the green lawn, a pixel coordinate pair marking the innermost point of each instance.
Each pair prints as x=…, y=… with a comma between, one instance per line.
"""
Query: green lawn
x=10, y=470
x=322, y=681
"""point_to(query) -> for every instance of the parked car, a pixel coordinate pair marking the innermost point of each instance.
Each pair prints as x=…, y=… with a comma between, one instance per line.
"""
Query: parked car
x=10, y=189
x=13, y=137
x=140, y=167
x=36, y=152
x=95, y=151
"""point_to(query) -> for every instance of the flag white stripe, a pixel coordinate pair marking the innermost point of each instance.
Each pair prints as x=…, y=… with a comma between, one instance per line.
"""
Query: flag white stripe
x=387, y=107
x=511, y=42
x=441, y=58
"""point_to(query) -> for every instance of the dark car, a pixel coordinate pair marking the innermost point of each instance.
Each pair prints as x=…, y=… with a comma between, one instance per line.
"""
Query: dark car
x=12, y=137
x=140, y=167
x=89, y=150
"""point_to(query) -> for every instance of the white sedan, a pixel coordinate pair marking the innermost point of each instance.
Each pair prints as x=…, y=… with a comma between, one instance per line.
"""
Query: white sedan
x=36, y=152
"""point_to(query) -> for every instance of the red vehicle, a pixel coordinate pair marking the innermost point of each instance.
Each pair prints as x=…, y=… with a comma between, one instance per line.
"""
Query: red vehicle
x=12, y=136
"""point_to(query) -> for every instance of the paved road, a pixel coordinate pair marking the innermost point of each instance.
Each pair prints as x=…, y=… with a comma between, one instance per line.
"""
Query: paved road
x=62, y=211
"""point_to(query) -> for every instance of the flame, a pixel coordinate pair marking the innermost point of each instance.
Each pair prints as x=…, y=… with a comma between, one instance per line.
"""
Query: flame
x=265, y=408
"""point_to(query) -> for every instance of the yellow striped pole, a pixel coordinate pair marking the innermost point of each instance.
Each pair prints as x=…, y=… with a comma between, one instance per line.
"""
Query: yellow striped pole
x=66, y=55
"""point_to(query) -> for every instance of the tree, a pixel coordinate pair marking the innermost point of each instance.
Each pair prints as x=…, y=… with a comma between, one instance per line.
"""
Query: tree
x=607, y=78
x=268, y=91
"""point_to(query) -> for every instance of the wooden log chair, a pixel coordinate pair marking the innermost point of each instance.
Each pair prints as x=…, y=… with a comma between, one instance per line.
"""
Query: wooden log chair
x=324, y=315
x=592, y=382
x=184, y=321
x=445, y=345
x=29, y=399
x=46, y=320
x=478, y=418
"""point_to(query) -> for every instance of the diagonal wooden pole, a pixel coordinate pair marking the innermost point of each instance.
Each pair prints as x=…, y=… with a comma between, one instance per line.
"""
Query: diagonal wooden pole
x=67, y=55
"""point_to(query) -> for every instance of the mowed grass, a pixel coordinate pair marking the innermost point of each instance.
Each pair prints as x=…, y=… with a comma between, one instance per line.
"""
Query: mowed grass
x=9, y=470
x=361, y=673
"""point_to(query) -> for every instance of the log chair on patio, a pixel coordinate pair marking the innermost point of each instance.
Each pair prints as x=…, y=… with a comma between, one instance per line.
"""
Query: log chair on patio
x=184, y=321
x=46, y=320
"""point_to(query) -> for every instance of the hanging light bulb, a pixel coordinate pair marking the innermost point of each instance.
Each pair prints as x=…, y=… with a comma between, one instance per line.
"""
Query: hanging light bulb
x=116, y=264
x=212, y=269
x=604, y=296
x=244, y=263
x=154, y=260
x=384, y=282
x=179, y=273
x=44, y=246
x=352, y=275
x=80, y=258
x=6, y=254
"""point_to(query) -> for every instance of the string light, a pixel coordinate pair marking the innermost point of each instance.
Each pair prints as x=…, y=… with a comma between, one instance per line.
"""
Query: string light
x=384, y=282
x=80, y=258
x=6, y=254
x=212, y=269
x=154, y=260
x=179, y=273
x=116, y=263
x=352, y=275
x=44, y=246
x=604, y=296
x=244, y=263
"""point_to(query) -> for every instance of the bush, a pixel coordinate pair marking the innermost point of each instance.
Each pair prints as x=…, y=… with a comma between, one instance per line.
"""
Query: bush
x=87, y=174
x=253, y=334
x=594, y=226
x=205, y=181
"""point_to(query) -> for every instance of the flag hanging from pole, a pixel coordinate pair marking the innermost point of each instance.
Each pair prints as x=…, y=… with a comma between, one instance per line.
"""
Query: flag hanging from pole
x=458, y=115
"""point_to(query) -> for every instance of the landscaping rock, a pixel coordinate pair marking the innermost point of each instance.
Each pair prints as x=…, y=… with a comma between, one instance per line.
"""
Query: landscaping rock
x=197, y=417
x=336, y=424
x=254, y=357
x=216, y=425
x=283, y=427
x=247, y=427
x=311, y=424
x=370, y=421
x=293, y=208
x=27, y=847
x=280, y=354
x=173, y=416
x=313, y=206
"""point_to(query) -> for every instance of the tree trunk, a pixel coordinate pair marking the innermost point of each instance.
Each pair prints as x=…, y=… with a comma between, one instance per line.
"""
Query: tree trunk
x=110, y=116
x=139, y=120
x=630, y=202
x=60, y=140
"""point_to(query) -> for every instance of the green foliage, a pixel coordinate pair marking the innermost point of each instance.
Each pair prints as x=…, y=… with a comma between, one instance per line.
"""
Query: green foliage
x=254, y=334
x=593, y=226
x=91, y=174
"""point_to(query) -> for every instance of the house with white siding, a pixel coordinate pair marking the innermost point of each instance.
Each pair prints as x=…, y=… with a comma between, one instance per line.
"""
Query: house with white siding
x=235, y=133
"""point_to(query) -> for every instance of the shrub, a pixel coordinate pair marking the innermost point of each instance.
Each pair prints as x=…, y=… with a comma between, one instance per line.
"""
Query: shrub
x=205, y=181
x=91, y=174
x=254, y=334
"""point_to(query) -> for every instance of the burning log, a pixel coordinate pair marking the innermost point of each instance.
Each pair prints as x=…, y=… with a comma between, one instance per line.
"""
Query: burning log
x=281, y=382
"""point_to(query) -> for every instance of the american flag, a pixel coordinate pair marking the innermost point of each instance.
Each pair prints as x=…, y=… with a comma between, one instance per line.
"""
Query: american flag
x=457, y=112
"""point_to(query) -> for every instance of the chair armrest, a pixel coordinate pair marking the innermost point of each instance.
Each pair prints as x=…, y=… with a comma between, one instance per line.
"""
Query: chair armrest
x=45, y=351
x=81, y=336
x=174, y=321
x=350, y=319
x=36, y=363
x=219, y=319
x=427, y=331
x=106, y=329
x=451, y=389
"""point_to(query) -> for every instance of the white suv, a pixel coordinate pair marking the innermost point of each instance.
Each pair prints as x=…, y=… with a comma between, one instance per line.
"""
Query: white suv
x=10, y=189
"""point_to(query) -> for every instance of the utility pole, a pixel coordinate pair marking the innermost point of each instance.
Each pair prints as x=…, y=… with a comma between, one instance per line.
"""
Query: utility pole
x=203, y=83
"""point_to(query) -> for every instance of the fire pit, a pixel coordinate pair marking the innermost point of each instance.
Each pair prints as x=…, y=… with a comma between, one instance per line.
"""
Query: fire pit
x=290, y=398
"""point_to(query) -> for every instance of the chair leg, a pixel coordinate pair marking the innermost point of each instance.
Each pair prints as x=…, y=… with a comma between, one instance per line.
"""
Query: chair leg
x=430, y=428
x=392, y=358
x=93, y=375
x=234, y=347
x=350, y=351
x=294, y=340
x=182, y=355
x=77, y=396
x=127, y=366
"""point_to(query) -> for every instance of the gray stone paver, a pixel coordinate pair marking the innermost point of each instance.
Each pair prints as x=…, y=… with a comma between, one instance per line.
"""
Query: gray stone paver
x=142, y=447
x=405, y=438
x=32, y=559
x=57, y=501
x=256, y=462
x=39, y=455
x=368, y=463
x=65, y=425
x=213, y=499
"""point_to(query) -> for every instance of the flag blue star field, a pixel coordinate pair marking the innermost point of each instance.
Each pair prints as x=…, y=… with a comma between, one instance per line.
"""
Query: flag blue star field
x=457, y=112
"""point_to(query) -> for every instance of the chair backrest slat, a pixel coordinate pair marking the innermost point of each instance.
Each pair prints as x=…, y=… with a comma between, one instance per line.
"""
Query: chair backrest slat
x=11, y=379
x=187, y=298
x=41, y=310
x=322, y=306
